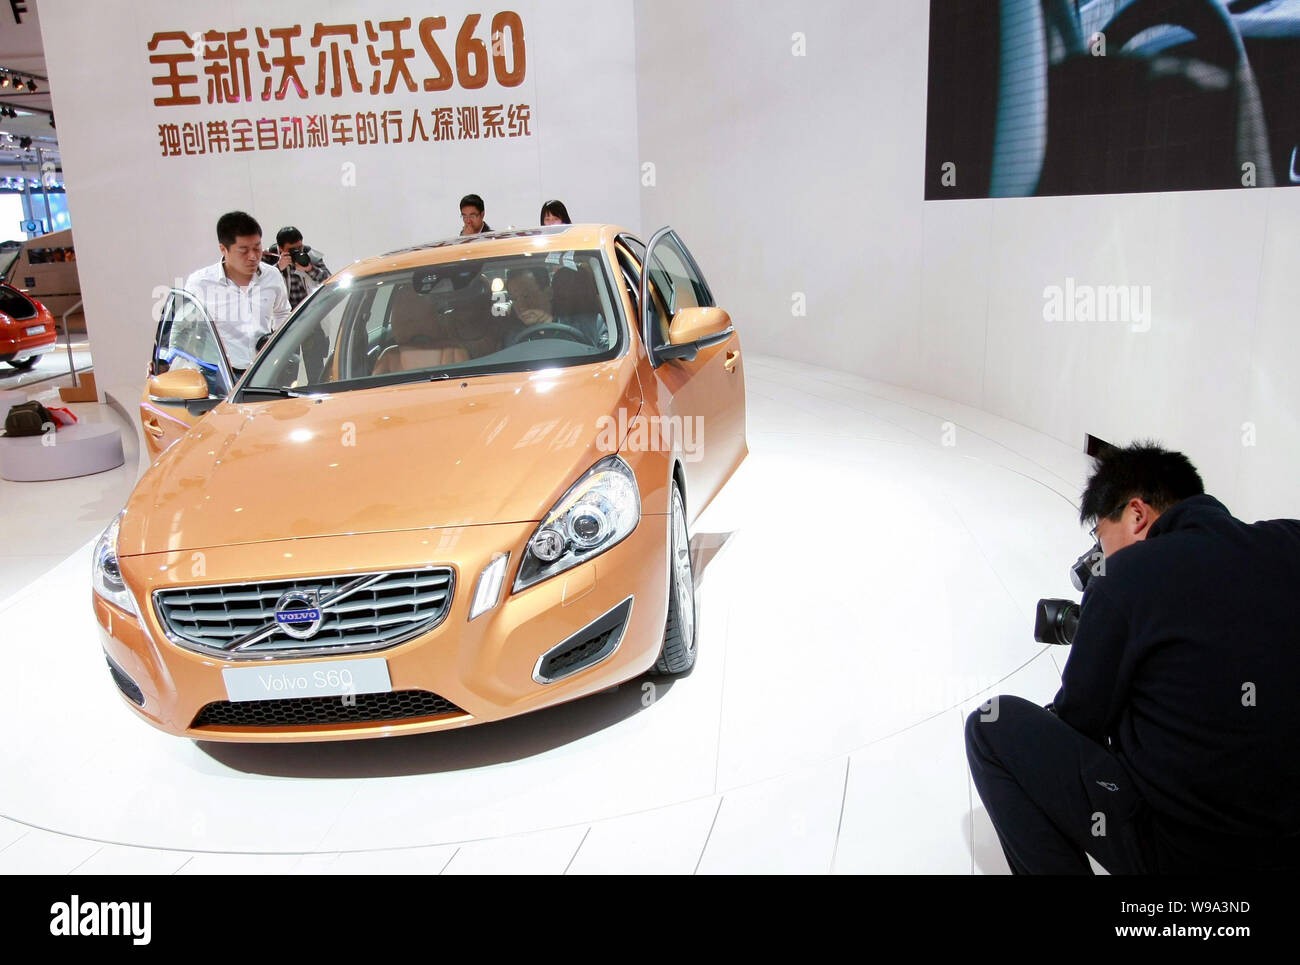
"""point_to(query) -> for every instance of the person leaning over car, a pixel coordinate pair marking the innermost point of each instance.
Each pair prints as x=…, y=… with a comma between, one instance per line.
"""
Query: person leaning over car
x=246, y=299
x=1173, y=743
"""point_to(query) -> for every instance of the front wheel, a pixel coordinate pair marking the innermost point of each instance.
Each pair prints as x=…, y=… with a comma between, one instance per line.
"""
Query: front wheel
x=677, y=655
x=27, y=364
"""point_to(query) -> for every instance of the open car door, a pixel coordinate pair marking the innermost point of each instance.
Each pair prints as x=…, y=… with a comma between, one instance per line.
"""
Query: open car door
x=695, y=351
x=188, y=372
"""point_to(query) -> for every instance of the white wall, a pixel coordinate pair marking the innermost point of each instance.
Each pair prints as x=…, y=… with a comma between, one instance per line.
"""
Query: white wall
x=142, y=220
x=786, y=174
x=805, y=174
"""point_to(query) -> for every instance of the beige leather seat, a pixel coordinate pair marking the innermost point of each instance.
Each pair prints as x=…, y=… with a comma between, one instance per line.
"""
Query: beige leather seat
x=419, y=343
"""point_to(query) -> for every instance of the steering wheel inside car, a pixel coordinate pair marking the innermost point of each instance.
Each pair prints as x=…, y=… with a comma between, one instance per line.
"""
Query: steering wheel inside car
x=541, y=329
x=1220, y=43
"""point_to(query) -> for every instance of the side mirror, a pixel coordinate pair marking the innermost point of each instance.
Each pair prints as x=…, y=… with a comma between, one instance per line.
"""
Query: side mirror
x=696, y=324
x=691, y=330
x=178, y=385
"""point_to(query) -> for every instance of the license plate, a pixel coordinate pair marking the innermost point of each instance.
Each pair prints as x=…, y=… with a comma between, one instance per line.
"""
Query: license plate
x=36, y=330
x=323, y=678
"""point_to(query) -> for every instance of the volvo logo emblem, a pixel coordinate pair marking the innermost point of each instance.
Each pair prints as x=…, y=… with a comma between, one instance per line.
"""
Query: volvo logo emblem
x=298, y=613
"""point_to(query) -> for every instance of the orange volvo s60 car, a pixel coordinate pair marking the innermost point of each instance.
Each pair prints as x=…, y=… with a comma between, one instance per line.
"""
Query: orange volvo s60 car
x=454, y=487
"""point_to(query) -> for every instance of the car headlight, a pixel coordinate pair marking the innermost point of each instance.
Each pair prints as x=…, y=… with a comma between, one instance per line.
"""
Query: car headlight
x=597, y=512
x=106, y=574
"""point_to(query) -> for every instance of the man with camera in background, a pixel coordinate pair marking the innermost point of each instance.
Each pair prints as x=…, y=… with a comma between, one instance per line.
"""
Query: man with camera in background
x=1171, y=746
x=302, y=267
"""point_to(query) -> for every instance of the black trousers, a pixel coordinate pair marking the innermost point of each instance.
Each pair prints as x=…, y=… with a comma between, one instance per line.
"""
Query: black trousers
x=1055, y=796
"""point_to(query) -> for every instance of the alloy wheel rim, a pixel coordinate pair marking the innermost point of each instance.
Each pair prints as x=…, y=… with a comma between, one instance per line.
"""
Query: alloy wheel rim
x=683, y=579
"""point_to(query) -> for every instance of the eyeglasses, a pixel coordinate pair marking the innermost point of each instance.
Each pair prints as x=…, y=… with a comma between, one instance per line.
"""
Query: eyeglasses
x=1092, y=533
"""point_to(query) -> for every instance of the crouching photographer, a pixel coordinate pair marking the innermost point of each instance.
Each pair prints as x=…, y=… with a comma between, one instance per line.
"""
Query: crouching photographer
x=1171, y=745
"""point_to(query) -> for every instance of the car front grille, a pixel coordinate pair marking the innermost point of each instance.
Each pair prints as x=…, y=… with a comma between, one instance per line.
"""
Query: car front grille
x=401, y=705
x=358, y=612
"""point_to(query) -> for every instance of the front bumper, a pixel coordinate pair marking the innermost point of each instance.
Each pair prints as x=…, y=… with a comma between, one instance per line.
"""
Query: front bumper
x=486, y=668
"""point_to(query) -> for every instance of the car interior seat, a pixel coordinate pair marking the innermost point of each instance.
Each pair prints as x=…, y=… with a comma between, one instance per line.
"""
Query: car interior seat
x=419, y=343
x=575, y=301
x=471, y=321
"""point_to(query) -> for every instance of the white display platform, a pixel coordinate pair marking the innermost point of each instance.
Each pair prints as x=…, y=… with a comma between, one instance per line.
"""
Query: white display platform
x=866, y=579
x=8, y=398
x=77, y=450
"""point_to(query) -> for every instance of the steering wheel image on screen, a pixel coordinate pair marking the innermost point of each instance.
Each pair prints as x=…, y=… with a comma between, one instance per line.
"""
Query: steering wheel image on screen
x=544, y=330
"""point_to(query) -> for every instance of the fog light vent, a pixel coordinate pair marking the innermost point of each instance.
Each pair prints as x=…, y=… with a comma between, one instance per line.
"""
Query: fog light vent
x=590, y=645
x=125, y=683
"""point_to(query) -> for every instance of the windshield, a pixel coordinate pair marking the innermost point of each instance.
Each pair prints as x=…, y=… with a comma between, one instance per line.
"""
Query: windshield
x=463, y=318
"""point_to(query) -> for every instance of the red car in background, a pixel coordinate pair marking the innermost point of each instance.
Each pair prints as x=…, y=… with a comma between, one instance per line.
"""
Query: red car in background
x=26, y=328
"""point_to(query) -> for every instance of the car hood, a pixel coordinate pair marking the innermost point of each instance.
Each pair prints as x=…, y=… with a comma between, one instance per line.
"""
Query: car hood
x=490, y=449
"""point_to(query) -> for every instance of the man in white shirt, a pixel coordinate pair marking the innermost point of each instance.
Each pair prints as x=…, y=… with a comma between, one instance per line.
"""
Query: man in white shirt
x=245, y=297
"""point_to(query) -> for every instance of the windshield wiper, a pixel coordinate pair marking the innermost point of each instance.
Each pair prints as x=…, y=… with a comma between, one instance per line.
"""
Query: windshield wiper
x=269, y=390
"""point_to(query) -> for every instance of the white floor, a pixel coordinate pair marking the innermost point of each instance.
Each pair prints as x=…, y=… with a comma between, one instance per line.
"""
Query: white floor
x=53, y=364
x=42, y=522
x=867, y=579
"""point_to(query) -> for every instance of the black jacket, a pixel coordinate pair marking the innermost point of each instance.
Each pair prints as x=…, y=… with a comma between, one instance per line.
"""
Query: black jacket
x=1187, y=659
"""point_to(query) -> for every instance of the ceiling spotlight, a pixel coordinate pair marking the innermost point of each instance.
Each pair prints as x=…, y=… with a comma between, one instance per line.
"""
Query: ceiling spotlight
x=31, y=86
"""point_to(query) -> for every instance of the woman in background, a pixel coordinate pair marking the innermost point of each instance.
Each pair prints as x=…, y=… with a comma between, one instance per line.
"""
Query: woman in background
x=554, y=212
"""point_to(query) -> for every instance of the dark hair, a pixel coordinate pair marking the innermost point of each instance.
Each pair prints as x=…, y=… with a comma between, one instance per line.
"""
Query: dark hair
x=287, y=236
x=540, y=275
x=1143, y=470
x=556, y=208
x=236, y=224
x=473, y=201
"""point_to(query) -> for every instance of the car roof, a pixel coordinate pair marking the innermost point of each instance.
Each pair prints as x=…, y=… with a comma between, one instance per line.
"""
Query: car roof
x=512, y=241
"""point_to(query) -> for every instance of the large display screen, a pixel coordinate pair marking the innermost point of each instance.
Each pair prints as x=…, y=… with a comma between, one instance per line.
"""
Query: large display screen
x=1060, y=97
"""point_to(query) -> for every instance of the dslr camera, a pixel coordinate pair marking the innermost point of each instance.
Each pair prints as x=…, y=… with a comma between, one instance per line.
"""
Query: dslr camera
x=1055, y=620
x=301, y=256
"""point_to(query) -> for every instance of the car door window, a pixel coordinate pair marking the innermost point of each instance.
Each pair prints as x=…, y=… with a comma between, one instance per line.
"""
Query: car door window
x=675, y=282
x=188, y=340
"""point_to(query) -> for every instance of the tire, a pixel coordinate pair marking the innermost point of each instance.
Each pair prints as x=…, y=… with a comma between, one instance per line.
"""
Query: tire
x=677, y=654
x=27, y=364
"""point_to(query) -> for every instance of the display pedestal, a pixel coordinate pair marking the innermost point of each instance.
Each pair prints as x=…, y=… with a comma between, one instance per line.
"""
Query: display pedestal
x=77, y=450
